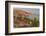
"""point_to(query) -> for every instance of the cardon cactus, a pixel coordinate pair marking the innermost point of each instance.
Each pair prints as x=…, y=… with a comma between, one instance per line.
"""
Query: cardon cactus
x=36, y=21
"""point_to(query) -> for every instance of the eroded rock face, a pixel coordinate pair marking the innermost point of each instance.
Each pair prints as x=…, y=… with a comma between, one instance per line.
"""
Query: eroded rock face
x=22, y=12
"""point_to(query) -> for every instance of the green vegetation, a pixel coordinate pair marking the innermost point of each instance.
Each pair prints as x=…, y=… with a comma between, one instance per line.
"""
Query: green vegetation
x=36, y=21
x=28, y=21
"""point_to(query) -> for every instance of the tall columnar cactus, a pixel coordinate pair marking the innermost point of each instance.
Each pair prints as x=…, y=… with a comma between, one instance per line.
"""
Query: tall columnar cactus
x=36, y=21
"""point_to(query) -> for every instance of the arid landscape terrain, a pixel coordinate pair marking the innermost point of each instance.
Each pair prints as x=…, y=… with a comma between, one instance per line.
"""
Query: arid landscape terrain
x=21, y=18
